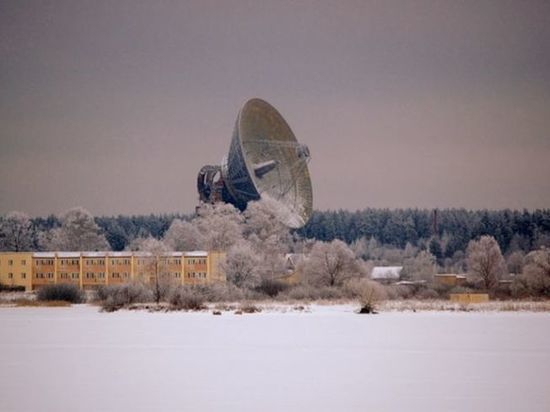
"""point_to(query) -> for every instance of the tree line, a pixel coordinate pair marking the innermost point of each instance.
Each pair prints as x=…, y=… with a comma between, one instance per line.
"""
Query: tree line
x=449, y=233
x=256, y=242
x=452, y=228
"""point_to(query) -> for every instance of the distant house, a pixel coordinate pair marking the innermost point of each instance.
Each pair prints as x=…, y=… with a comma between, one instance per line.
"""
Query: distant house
x=450, y=279
x=292, y=262
x=386, y=273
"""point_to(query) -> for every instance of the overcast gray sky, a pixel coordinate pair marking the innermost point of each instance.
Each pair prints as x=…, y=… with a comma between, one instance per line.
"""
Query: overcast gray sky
x=116, y=105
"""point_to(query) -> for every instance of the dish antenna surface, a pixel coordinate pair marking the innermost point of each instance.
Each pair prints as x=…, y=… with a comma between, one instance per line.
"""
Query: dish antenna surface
x=264, y=161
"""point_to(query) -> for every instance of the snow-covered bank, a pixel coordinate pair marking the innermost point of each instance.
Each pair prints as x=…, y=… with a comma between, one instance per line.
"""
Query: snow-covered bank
x=78, y=359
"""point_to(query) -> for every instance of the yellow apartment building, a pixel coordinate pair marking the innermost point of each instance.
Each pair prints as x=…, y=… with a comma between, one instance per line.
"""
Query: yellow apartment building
x=16, y=269
x=88, y=270
x=67, y=267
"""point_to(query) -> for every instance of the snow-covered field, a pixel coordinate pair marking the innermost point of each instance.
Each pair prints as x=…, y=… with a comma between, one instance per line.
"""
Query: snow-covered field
x=77, y=359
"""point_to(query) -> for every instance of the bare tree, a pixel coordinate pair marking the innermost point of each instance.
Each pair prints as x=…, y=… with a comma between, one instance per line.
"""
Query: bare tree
x=241, y=266
x=16, y=232
x=485, y=261
x=420, y=267
x=537, y=272
x=330, y=264
x=162, y=283
x=78, y=231
x=515, y=262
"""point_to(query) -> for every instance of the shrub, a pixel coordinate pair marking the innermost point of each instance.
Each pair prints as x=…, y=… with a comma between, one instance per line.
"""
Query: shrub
x=426, y=293
x=368, y=292
x=394, y=292
x=248, y=307
x=520, y=287
x=61, y=292
x=271, y=288
x=309, y=292
x=460, y=289
x=187, y=298
x=114, y=297
x=220, y=292
x=11, y=288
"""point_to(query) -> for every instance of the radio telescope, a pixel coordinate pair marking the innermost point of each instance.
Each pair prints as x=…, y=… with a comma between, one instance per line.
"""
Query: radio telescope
x=264, y=161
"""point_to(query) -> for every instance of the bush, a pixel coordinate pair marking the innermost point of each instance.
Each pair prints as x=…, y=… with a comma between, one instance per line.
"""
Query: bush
x=308, y=292
x=368, y=292
x=519, y=288
x=11, y=288
x=271, y=288
x=248, y=307
x=426, y=294
x=187, y=298
x=61, y=292
x=114, y=297
x=460, y=289
x=395, y=292
x=220, y=292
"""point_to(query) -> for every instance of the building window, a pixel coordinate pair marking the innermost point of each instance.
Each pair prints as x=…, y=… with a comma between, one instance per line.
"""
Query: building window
x=23, y=262
x=23, y=275
x=10, y=275
x=10, y=262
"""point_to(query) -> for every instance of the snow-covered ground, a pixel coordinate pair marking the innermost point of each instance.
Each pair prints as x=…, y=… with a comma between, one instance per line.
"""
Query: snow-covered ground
x=77, y=359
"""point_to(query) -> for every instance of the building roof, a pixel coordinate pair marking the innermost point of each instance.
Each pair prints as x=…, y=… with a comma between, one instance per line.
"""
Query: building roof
x=442, y=275
x=43, y=254
x=411, y=282
x=124, y=253
x=68, y=254
x=386, y=272
x=95, y=254
x=196, y=253
x=105, y=254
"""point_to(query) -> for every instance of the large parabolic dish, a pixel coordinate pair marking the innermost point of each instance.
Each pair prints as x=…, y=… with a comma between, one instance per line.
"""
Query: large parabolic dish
x=264, y=161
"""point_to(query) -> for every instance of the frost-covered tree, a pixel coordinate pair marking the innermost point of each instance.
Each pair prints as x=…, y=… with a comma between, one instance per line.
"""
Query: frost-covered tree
x=183, y=235
x=485, y=261
x=241, y=266
x=368, y=292
x=219, y=226
x=78, y=231
x=161, y=281
x=420, y=267
x=16, y=232
x=264, y=220
x=515, y=262
x=330, y=264
x=537, y=272
x=269, y=236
